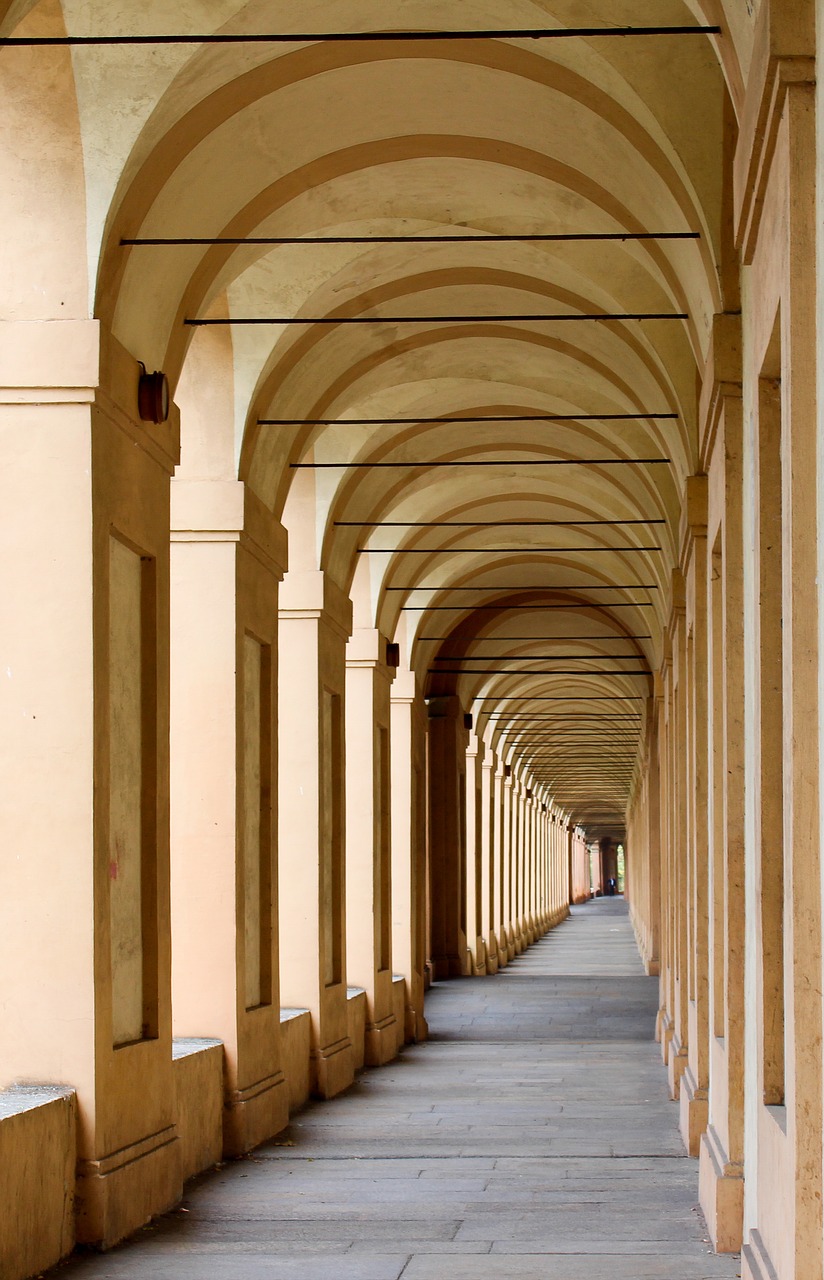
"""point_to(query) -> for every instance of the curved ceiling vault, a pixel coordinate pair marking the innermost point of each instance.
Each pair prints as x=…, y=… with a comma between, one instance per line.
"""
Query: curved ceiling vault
x=533, y=583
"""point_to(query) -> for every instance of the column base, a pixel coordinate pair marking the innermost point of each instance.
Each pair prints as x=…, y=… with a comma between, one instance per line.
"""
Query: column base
x=492, y=955
x=333, y=1068
x=721, y=1194
x=381, y=1041
x=120, y=1192
x=448, y=966
x=677, y=1063
x=253, y=1114
x=755, y=1261
x=693, y=1112
x=479, y=959
x=417, y=1028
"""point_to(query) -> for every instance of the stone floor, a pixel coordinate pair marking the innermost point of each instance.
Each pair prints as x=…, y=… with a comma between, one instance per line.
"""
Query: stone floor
x=530, y=1139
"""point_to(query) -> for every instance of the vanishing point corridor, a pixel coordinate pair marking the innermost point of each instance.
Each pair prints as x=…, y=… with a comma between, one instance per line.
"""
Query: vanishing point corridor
x=531, y=1138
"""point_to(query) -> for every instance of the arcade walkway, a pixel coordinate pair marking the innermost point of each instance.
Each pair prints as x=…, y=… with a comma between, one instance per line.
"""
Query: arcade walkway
x=531, y=1138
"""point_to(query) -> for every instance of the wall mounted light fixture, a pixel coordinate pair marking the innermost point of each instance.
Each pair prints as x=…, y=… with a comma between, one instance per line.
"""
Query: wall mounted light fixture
x=152, y=396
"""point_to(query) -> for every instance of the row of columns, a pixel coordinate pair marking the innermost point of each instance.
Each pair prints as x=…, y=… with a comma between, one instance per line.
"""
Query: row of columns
x=222, y=800
x=502, y=855
x=726, y=885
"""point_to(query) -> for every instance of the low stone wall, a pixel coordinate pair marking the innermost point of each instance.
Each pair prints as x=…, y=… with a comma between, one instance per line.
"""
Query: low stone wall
x=295, y=1048
x=198, y=1077
x=399, y=1008
x=38, y=1133
x=38, y=1155
x=356, y=1009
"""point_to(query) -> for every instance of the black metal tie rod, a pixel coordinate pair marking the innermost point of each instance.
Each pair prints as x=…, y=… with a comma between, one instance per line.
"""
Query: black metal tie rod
x=531, y=608
x=484, y=524
x=488, y=671
x=493, y=551
x=570, y=697
x=485, y=319
x=514, y=717
x=541, y=586
x=539, y=657
x=478, y=420
x=359, y=37
x=533, y=639
x=486, y=462
x=555, y=237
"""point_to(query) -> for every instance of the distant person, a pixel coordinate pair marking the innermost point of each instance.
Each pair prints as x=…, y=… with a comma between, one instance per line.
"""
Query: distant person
x=611, y=887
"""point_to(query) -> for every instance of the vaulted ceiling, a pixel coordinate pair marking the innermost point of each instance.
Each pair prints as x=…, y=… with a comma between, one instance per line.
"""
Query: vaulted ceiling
x=502, y=496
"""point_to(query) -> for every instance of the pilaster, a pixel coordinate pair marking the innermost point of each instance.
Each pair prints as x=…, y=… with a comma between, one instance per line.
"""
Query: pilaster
x=315, y=624
x=228, y=555
x=368, y=839
x=408, y=798
x=84, y=948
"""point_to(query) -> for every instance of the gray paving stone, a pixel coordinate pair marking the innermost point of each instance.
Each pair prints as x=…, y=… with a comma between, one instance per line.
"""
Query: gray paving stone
x=531, y=1139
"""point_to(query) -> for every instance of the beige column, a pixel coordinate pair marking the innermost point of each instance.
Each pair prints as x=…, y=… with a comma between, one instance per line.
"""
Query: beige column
x=488, y=893
x=474, y=866
x=721, y=1168
x=558, y=858
x=447, y=837
x=540, y=834
x=315, y=622
x=368, y=839
x=676, y=1031
x=518, y=862
x=536, y=866
x=499, y=861
x=506, y=862
x=531, y=923
x=227, y=557
x=408, y=801
x=653, y=840
x=84, y=913
x=783, y=1059
x=664, y=1027
x=526, y=858
x=695, y=1080
x=545, y=864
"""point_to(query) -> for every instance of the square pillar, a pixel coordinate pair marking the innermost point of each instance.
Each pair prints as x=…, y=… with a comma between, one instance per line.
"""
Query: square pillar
x=228, y=556
x=507, y=856
x=488, y=884
x=408, y=800
x=476, y=946
x=84, y=914
x=368, y=839
x=517, y=865
x=721, y=1168
x=447, y=837
x=315, y=623
x=499, y=862
x=695, y=1080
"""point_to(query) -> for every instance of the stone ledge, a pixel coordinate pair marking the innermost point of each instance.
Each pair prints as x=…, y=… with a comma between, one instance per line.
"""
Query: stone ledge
x=38, y=1155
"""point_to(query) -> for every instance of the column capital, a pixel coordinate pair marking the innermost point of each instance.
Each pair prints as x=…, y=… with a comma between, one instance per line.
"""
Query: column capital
x=366, y=650
x=313, y=594
x=228, y=511
x=693, y=518
x=404, y=687
x=49, y=361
